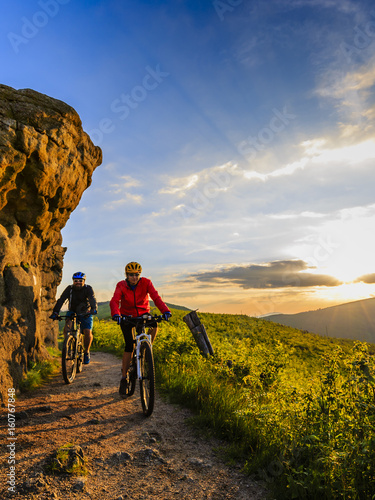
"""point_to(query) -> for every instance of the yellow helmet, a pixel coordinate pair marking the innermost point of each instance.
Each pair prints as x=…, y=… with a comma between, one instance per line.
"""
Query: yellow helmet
x=133, y=267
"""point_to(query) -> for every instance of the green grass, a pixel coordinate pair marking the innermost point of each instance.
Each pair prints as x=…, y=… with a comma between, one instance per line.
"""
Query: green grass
x=107, y=337
x=68, y=459
x=297, y=409
x=40, y=372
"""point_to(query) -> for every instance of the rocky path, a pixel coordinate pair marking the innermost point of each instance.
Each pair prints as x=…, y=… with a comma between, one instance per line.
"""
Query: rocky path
x=127, y=455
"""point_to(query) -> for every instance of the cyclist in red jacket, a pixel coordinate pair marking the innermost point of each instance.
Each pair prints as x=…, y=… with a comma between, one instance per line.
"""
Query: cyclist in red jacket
x=131, y=298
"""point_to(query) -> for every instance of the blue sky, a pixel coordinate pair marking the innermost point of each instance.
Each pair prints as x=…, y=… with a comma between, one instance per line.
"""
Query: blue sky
x=238, y=143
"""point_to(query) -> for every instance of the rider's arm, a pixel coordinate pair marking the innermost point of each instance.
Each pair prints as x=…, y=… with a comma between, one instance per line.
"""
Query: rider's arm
x=114, y=303
x=63, y=297
x=157, y=299
x=92, y=299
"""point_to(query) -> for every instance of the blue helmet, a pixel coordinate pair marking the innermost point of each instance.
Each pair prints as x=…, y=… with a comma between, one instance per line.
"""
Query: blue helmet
x=79, y=276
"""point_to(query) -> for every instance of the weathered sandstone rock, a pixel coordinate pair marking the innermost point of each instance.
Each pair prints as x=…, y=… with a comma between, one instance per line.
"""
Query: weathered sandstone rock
x=46, y=163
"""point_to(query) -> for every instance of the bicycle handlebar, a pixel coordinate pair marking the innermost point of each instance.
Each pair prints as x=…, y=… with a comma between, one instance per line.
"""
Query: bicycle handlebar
x=72, y=315
x=146, y=319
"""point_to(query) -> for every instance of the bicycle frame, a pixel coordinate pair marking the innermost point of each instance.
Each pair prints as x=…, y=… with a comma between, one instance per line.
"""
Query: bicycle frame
x=75, y=330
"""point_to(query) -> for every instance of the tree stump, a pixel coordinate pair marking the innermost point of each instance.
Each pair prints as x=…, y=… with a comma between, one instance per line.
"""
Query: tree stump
x=199, y=333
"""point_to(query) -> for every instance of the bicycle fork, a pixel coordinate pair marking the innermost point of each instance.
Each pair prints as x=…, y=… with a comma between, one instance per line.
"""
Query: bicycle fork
x=142, y=337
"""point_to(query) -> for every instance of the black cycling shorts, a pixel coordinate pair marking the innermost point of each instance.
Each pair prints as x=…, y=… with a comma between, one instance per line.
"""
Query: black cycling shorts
x=129, y=331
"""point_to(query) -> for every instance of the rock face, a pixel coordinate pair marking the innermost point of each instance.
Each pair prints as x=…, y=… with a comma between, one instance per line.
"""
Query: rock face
x=46, y=163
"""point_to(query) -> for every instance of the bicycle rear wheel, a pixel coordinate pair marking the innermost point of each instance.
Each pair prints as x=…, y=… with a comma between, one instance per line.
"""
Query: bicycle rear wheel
x=147, y=382
x=68, y=359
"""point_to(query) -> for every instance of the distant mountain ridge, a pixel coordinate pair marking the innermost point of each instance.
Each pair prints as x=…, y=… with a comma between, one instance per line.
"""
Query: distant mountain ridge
x=352, y=320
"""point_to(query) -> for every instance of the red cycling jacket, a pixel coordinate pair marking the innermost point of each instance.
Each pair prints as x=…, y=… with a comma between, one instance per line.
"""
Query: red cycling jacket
x=126, y=301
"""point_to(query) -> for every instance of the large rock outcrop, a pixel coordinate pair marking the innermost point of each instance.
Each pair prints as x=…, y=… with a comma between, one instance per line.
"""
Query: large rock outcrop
x=46, y=163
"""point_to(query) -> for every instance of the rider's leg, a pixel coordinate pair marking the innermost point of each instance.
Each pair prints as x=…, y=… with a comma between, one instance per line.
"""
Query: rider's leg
x=88, y=339
x=128, y=333
x=86, y=327
x=126, y=360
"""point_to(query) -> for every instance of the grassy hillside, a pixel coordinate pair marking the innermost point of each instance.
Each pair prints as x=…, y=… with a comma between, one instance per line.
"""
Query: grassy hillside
x=354, y=320
x=296, y=408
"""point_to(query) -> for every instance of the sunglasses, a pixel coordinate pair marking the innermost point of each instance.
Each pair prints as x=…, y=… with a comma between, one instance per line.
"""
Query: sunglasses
x=78, y=281
x=132, y=275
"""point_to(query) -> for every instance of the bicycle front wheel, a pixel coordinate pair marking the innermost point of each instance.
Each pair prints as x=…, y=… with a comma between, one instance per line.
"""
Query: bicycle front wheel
x=147, y=382
x=80, y=351
x=68, y=360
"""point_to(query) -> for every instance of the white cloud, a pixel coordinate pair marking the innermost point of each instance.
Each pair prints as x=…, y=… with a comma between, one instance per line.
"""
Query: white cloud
x=297, y=215
x=180, y=184
x=355, y=153
x=124, y=182
x=314, y=152
x=289, y=169
x=357, y=81
x=352, y=96
x=126, y=199
x=211, y=179
x=129, y=181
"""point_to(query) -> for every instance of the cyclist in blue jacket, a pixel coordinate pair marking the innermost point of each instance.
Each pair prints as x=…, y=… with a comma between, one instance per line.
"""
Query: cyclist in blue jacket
x=82, y=301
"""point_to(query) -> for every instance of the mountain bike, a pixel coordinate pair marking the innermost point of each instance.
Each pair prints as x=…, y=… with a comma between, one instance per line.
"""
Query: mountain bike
x=72, y=350
x=142, y=364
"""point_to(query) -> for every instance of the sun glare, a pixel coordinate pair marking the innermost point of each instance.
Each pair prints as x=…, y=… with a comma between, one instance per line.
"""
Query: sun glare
x=347, y=270
x=344, y=247
x=350, y=261
x=349, y=292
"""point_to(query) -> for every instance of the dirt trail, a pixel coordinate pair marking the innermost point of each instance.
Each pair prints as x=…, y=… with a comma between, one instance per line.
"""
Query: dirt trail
x=128, y=455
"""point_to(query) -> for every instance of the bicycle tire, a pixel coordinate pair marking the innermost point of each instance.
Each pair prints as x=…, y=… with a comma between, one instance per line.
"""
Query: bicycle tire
x=147, y=382
x=80, y=351
x=132, y=378
x=68, y=359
